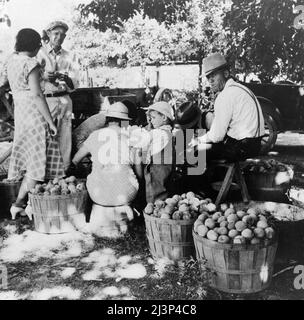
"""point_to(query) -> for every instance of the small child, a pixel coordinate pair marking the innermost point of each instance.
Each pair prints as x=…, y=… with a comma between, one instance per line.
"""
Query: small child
x=158, y=164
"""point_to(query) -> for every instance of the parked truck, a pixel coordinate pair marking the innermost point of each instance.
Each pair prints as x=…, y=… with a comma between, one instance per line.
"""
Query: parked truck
x=282, y=104
x=283, y=108
x=88, y=101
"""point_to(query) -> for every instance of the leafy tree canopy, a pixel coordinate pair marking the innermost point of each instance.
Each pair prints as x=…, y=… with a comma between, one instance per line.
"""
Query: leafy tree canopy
x=104, y=14
x=263, y=34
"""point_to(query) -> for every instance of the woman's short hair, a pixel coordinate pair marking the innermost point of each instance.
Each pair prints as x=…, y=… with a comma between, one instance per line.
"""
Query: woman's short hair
x=27, y=40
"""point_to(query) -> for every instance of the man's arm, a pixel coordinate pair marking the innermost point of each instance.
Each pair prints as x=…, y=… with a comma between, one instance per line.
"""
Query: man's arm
x=66, y=79
x=222, y=118
x=80, y=154
x=48, y=76
x=72, y=76
x=219, y=126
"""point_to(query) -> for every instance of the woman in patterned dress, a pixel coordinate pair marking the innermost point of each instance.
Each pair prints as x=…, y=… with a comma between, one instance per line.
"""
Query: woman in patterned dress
x=35, y=151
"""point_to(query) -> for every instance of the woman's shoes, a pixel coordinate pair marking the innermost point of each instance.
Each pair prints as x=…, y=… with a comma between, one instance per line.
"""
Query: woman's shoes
x=14, y=210
x=27, y=211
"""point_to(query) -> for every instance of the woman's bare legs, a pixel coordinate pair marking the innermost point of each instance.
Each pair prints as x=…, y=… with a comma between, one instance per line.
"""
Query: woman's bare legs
x=17, y=207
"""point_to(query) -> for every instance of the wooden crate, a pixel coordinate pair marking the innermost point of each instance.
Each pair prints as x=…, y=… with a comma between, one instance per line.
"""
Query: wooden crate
x=170, y=239
x=236, y=268
x=59, y=214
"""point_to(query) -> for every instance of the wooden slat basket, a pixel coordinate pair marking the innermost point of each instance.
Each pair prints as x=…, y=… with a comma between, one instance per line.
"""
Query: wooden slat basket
x=170, y=239
x=59, y=213
x=8, y=194
x=237, y=268
x=263, y=186
x=289, y=223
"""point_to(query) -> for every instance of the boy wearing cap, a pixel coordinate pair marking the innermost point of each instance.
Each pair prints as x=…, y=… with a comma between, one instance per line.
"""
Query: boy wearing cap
x=159, y=161
x=60, y=78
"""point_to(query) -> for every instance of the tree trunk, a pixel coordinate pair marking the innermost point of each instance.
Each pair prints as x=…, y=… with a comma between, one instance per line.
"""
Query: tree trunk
x=143, y=68
x=200, y=77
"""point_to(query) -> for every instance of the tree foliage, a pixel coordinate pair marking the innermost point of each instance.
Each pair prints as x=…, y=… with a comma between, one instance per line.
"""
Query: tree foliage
x=146, y=41
x=201, y=33
x=263, y=35
x=142, y=39
x=104, y=14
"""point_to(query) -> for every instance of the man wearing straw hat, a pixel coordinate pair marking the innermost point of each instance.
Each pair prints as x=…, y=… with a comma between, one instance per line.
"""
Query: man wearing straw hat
x=238, y=125
x=60, y=77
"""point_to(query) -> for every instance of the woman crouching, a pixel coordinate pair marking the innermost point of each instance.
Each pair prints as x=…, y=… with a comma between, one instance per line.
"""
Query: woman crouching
x=112, y=181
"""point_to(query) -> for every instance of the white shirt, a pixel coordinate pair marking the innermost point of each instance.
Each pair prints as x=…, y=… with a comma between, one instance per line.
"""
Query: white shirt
x=235, y=114
x=151, y=142
x=62, y=61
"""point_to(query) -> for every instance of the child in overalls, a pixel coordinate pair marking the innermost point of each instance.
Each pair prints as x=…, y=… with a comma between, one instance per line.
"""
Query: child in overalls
x=158, y=163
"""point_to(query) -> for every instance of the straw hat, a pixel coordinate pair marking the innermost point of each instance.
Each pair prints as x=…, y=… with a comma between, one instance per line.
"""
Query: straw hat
x=163, y=108
x=214, y=62
x=188, y=115
x=56, y=24
x=118, y=110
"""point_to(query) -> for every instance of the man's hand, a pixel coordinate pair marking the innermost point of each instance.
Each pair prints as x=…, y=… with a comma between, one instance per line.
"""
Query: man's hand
x=64, y=77
x=50, y=76
x=53, y=130
x=193, y=143
x=200, y=144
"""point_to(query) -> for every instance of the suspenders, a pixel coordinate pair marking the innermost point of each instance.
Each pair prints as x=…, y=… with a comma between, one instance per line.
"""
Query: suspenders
x=256, y=105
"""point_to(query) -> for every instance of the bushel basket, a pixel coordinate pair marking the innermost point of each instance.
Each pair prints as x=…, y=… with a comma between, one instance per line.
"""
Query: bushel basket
x=289, y=223
x=170, y=239
x=266, y=186
x=236, y=268
x=8, y=194
x=59, y=213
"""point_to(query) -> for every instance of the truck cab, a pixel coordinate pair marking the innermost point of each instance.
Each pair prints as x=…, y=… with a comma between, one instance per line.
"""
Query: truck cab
x=283, y=108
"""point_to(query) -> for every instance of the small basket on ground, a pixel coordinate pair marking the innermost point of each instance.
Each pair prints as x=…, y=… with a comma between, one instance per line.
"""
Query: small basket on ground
x=59, y=213
x=171, y=239
x=236, y=268
x=268, y=180
x=9, y=191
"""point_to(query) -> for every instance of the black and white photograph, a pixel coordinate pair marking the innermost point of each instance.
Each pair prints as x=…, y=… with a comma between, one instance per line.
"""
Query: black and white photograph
x=151, y=153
